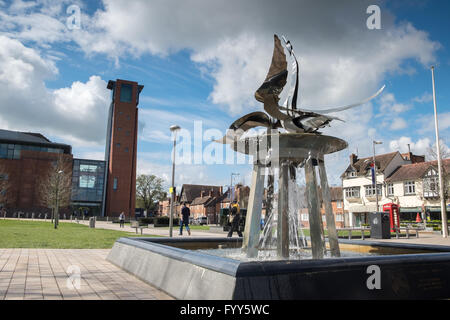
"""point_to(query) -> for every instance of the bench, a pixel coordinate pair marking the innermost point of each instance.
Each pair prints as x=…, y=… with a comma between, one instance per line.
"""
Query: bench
x=136, y=225
x=407, y=229
x=362, y=229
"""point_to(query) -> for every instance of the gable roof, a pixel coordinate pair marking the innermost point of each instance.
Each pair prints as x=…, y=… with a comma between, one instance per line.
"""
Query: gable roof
x=362, y=165
x=416, y=170
x=191, y=191
x=336, y=193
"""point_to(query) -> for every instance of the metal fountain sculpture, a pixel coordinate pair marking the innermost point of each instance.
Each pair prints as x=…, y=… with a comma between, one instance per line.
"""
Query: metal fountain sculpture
x=299, y=145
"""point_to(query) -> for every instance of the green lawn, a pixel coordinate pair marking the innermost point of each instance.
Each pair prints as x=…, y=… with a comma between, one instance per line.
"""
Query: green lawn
x=38, y=234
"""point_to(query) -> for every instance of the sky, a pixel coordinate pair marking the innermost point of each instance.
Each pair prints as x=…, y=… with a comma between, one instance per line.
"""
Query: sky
x=201, y=62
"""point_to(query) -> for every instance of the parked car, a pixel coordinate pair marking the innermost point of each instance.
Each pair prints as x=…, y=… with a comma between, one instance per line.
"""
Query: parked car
x=200, y=221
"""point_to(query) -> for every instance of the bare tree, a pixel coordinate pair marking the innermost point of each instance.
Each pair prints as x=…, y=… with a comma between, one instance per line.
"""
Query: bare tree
x=444, y=150
x=55, y=188
x=5, y=186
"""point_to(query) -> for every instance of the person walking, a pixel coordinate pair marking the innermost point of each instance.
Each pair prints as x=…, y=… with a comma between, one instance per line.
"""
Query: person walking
x=122, y=219
x=235, y=218
x=185, y=213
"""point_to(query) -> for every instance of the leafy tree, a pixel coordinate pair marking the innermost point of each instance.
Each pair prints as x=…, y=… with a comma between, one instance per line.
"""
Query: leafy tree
x=149, y=191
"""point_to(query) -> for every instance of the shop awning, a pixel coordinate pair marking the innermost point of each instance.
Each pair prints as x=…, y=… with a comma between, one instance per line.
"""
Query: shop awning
x=415, y=209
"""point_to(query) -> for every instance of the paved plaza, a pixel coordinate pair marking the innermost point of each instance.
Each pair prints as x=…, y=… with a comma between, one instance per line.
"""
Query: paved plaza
x=37, y=274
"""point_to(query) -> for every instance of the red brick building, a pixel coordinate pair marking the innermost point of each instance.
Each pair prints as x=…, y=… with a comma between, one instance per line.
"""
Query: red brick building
x=337, y=204
x=121, y=148
x=25, y=160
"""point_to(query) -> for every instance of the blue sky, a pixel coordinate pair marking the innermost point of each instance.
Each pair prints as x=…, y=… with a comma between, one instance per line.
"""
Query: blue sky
x=202, y=61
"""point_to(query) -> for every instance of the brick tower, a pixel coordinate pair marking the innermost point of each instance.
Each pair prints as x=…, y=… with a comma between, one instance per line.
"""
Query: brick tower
x=121, y=148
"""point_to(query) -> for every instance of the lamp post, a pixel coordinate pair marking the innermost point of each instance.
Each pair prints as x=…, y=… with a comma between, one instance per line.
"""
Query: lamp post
x=174, y=129
x=438, y=153
x=375, y=171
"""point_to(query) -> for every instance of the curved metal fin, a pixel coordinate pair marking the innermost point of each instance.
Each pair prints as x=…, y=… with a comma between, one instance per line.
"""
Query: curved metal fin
x=330, y=110
x=273, y=109
x=291, y=100
x=243, y=124
x=276, y=78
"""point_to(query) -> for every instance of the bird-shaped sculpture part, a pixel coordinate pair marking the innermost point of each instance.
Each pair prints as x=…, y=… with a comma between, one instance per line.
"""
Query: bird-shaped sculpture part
x=289, y=116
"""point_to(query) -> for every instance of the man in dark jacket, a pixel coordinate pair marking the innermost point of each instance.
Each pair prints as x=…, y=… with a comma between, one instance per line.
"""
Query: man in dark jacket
x=185, y=213
x=235, y=217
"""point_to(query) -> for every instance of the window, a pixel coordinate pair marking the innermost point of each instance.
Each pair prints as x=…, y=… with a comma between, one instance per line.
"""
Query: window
x=351, y=174
x=339, y=218
x=126, y=149
x=352, y=192
x=126, y=91
x=338, y=204
x=115, y=182
x=390, y=189
x=370, y=190
x=409, y=188
x=304, y=217
x=431, y=184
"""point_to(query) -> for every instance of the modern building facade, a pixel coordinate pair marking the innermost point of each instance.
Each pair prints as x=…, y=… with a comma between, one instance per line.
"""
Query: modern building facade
x=88, y=184
x=121, y=148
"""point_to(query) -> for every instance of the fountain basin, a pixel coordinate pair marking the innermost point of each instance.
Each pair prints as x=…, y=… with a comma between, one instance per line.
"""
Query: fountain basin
x=407, y=271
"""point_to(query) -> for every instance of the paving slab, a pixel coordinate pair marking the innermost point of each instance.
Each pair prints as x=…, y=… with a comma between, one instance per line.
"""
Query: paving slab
x=68, y=274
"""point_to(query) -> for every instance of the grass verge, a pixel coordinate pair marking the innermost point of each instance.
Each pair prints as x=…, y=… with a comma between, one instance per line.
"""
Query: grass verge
x=39, y=234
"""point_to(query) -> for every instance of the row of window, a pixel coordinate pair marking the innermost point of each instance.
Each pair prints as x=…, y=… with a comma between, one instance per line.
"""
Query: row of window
x=12, y=151
x=409, y=188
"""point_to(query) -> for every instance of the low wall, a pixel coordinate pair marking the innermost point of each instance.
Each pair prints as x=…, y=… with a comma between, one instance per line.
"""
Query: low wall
x=187, y=274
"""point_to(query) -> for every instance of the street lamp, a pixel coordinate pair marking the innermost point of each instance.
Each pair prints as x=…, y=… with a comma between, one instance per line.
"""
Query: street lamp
x=438, y=153
x=174, y=129
x=375, y=171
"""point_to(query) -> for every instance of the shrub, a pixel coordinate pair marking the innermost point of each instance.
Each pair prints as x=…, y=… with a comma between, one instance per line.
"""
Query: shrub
x=164, y=221
x=146, y=220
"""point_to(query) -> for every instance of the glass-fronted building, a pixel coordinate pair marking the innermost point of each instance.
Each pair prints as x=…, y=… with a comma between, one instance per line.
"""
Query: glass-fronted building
x=88, y=182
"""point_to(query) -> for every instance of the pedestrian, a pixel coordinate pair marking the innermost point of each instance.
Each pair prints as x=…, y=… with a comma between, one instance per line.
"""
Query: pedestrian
x=122, y=219
x=185, y=213
x=234, y=218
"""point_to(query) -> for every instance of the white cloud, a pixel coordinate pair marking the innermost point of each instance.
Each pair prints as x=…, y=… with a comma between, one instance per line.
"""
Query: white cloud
x=398, y=124
x=420, y=147
x=76, y=114
x=424, y=98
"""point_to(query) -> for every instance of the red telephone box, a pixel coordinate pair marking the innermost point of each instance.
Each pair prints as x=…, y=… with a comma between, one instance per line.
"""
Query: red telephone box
x=394, y=215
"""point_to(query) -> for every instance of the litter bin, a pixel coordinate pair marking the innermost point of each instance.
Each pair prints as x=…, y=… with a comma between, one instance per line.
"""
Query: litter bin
x=380, y=225
x=92, y=222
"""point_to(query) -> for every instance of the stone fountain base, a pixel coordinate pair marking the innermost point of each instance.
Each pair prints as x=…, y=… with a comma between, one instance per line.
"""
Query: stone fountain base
x=406, y=271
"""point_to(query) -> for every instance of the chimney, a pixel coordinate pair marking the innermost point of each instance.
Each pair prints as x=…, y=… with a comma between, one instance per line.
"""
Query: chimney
x=353, y=158
x=211, y=192
x=202, y=193
x=220, y=191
